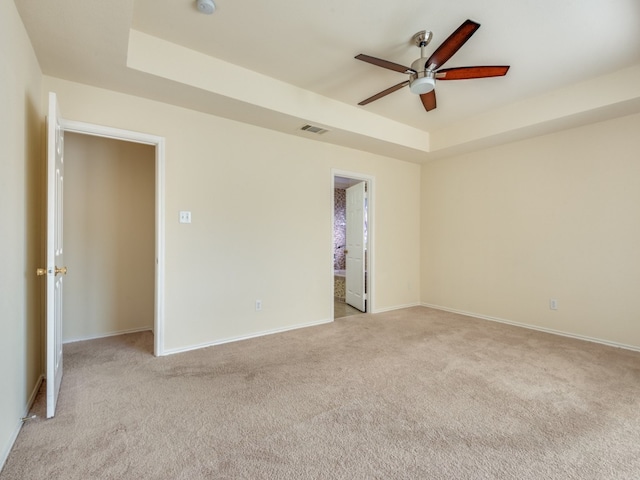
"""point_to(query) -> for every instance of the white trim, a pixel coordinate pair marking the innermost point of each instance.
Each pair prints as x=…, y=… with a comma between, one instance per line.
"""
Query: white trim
x=159, y=143
x=535, y=327
x=397, y=307
x=16, y=432
x=371, y=215
x=158, y=323
x=110, y=334
x=246, y=337
x=109, y=132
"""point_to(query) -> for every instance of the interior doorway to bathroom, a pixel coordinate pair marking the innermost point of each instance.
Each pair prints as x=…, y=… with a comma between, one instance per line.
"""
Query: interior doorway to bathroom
x=351, y=245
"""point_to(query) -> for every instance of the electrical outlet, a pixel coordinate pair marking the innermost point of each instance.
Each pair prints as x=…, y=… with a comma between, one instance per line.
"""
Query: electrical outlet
x=553, y=304
x=258, y=305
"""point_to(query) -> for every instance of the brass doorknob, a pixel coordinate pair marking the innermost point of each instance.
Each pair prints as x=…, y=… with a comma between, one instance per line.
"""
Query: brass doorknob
x=44, y=271
x=346, y=251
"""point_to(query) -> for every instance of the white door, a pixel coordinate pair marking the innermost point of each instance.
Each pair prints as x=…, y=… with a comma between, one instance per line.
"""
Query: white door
x=355, y=247
x=55, y=270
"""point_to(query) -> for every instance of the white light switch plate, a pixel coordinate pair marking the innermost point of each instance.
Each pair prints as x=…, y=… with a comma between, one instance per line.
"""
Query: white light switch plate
x=185, y=217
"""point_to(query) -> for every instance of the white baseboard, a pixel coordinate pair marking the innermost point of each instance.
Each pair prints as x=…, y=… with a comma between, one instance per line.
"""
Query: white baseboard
x=535, y=327
x=14, y=436
x=244, y=337
x=397, y=307
x=110, y=334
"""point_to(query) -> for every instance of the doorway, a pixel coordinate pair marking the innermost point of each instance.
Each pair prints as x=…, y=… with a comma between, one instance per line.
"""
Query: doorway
x=351, y=244
x=157, y=145
x=109, y=230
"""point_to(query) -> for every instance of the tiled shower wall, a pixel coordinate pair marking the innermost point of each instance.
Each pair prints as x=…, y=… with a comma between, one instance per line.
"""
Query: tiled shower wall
x=339, y=228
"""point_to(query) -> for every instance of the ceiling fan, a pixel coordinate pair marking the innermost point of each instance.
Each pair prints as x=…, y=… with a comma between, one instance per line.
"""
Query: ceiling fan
x=424, y=71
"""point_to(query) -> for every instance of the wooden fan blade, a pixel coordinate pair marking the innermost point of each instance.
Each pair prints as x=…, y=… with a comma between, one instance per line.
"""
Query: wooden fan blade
x=384, y=64
x=452, y=44
x=463, y=73
x=429, y=100
x=384, y=92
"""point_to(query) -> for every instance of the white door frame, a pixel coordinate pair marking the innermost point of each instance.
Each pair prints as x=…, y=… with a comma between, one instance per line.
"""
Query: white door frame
x=158, y=142
x=370, y=271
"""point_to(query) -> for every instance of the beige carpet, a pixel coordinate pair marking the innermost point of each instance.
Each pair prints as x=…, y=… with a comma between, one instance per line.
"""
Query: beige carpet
x=411, y=394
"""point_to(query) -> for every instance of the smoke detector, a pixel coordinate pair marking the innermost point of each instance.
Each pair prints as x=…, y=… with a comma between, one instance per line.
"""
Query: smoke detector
x=206, y=6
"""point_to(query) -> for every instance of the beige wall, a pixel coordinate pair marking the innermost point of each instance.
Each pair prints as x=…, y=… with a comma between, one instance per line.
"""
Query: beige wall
x=261, y=203
x=507, y=228
x=109, y=229
x=21, y=127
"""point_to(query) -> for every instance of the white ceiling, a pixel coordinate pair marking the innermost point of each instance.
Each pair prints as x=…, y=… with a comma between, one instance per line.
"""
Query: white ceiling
x=549, y=44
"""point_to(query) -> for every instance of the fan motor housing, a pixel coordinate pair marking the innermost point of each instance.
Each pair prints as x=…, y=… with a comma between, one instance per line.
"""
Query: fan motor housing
x=423, y=81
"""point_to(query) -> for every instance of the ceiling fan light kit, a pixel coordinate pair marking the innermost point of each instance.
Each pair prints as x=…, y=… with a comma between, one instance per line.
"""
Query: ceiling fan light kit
x=424, y=71
x=422, y=82
x=206, y=6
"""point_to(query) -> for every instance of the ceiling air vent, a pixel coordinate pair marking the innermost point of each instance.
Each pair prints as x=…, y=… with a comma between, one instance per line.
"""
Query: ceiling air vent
x=314, y=129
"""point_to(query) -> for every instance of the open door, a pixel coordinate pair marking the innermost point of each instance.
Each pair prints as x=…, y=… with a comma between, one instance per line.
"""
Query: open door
x=55, y=270
x=355, y=247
